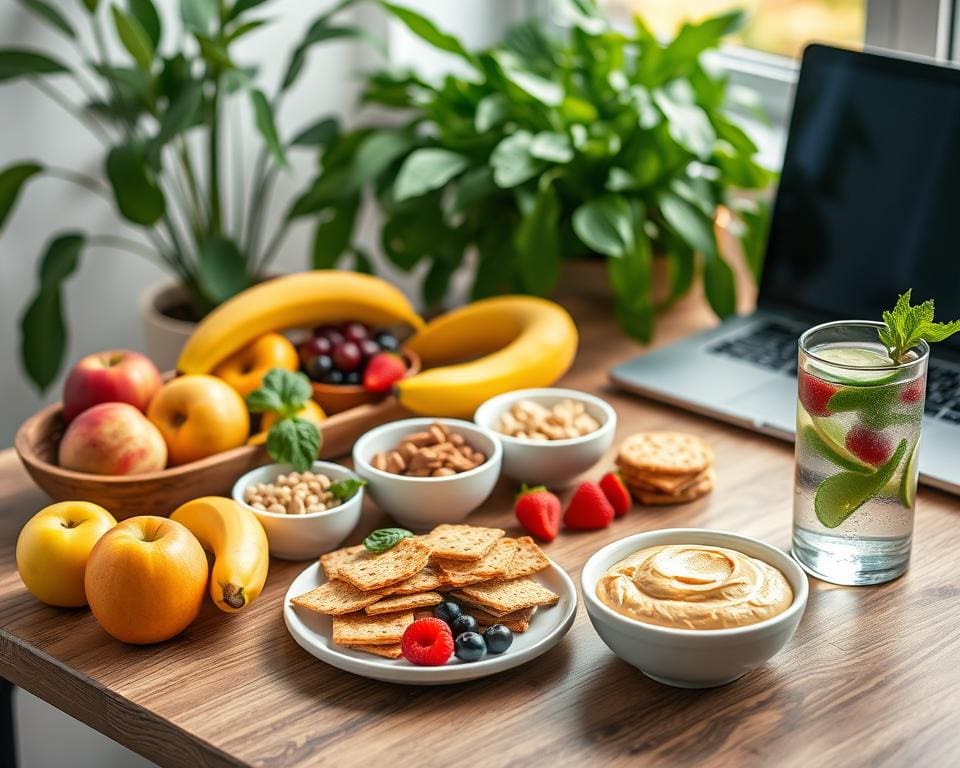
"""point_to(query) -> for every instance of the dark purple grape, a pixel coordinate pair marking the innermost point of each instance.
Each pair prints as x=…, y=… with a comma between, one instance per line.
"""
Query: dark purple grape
x=318, y=366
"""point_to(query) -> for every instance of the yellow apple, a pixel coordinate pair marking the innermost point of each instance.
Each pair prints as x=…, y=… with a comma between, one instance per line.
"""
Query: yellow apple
x=53, y=547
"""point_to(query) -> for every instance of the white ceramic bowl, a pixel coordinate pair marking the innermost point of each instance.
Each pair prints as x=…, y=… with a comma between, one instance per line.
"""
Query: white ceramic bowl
x=302, y=537
x=420, y=503
x=692, y=658
x=558, y=462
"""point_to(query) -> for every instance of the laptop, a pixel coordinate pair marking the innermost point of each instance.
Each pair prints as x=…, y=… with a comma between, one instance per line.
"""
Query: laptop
x=868, y=205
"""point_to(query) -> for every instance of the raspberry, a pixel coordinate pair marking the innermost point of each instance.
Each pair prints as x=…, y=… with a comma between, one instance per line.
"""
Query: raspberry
x=868, y=445
x=815, y=394
x=914, y=391
x=427, y=642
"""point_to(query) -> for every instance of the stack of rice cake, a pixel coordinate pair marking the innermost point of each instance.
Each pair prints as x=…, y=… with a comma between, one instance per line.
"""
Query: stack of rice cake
x=373, y=598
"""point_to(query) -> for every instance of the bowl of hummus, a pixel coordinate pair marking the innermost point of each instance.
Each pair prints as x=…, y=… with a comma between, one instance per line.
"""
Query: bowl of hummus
x=693, y=608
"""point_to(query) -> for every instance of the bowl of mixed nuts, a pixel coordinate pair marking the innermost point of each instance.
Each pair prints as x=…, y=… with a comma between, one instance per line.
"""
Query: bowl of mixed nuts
x=304, y=513
x=424, y=472
x=550, y=435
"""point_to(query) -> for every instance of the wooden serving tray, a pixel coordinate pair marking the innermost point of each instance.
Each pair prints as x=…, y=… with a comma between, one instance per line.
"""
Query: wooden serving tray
x=159, y=493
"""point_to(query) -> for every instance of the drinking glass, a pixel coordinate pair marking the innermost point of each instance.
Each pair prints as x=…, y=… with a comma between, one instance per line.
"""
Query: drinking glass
x=857, y=448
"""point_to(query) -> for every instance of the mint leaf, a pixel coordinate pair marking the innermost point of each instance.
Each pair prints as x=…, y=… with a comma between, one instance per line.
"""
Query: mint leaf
x=294, y=441
x=384, y=538
x=346, y=488
x=906, y=325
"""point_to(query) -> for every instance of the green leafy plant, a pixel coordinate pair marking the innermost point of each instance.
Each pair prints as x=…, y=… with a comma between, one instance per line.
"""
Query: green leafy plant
x=161, y=119
x=383, y=539
x=907, y=325
x=599, y=142
x=291, y=440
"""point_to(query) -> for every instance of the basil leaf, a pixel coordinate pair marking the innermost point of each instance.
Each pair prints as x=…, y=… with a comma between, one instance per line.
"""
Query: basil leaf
x=346, y=489
x=295, y=442
x=293, y=388
x=384, y=538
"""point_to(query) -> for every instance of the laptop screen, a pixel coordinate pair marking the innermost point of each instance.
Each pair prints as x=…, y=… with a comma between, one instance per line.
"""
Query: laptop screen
x=869, y=198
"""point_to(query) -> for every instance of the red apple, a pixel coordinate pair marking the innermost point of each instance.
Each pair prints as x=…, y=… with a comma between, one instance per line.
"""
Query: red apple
x=114, y=376
x=113, y=439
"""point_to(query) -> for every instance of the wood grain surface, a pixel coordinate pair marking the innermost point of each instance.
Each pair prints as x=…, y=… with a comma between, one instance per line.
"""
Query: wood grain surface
x=871, y=677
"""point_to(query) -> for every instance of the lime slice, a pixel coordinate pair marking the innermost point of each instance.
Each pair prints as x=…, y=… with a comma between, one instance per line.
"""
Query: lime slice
x=908, y=483
x=862, y=360
x=842, y=494
x=826, y=438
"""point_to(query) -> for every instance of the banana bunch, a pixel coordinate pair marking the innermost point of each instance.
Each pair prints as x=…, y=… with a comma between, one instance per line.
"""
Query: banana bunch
x=298, y=300
x=517, y=342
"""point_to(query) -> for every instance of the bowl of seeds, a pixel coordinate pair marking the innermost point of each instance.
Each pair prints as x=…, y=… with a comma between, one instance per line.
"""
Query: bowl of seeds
x=551, y=435
x=304, y=513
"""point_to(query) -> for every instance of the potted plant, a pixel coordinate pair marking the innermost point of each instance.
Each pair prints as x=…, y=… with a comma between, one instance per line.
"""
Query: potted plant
x=598, y=142
x=160, y=118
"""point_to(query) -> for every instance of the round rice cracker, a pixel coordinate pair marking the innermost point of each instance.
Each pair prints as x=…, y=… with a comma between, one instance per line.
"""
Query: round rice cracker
x=665, y=453
x=694, y=492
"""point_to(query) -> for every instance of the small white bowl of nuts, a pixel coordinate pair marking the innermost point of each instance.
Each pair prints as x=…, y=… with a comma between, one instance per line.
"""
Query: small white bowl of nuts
x=550, y=435
x=304, y=513
x=424, y=472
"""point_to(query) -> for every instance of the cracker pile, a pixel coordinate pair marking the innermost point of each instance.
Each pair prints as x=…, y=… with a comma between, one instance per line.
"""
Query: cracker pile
x=373, y=598
x=666, y=467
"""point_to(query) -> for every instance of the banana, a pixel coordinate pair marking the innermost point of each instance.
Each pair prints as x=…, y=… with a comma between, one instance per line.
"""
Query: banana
x=521, y=342
x=239, y=546
x=301, y=299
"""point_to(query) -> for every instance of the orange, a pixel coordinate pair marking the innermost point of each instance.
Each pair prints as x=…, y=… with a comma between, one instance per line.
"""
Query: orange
x=244, y=370
x=311, y=411
x=53, y=548
x=146, y=579
x=198, y=416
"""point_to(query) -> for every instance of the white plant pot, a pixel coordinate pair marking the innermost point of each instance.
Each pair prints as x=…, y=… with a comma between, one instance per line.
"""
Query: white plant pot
x=163, y=336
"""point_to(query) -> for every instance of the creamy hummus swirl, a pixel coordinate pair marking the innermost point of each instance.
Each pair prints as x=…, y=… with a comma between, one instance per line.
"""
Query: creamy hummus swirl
x=692, y=586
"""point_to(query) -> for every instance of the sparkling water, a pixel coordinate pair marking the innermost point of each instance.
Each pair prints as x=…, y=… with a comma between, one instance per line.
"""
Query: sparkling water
x=858, y=433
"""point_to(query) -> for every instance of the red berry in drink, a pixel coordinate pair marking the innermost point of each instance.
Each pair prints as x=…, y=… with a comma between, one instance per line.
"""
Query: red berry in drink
x=354, y=331
x=347, y=356
x=311, y=348
x=815, y=394
x=914, y=391
x=868, y=445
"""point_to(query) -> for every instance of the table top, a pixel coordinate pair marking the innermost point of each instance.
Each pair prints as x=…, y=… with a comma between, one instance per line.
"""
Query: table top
x=867, y=679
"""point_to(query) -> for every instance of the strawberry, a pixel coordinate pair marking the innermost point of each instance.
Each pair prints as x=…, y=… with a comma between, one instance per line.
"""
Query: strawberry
x=616, y=492
x=914, y=391
x=427, y=642
x=588, y=508
x=868, y=445
x=815, y=394
x=538, y=511
x=382, y=371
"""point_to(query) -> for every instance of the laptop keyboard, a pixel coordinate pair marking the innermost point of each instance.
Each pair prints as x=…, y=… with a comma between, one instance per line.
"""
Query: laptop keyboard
x=773, y=345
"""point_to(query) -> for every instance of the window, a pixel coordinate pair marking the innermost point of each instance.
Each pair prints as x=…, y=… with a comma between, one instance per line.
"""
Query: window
x=781, y=27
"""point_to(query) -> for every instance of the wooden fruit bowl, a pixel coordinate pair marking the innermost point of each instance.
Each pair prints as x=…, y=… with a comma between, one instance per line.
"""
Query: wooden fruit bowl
x=336, y=398
x=159, y=493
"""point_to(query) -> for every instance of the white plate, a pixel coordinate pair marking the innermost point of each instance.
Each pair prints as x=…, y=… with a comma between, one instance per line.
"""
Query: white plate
x=547, y=627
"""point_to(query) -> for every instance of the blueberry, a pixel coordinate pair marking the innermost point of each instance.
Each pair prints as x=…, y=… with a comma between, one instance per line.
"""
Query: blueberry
x=387, y=341
x=468, y=646
x=352, y=378
x=463, y=623
x=317, y=367
x=498, y=638
x=447, y=611
x=333, y=377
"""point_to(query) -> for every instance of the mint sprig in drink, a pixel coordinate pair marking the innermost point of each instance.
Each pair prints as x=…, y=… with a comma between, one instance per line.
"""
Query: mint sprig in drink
x=860, y=394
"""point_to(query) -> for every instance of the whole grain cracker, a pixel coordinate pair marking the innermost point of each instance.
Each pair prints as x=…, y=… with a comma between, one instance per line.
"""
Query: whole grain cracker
x=529, y=559
x=426, y=580
x=335, y=598
x=660, y=483
x=331, y=561
x=493, y=565
x=509, y=596
x=360, y=629
x=667, y=453
x=486, y=619
x=376, y=571
x=692, y=493
x=461, y=542
x=389, y=651
x=404, y=603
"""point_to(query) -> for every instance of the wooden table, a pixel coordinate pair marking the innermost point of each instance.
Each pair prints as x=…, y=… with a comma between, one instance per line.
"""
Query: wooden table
x=871, y=677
